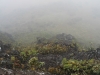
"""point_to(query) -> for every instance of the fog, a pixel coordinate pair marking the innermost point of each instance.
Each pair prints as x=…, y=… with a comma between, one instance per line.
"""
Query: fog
x=80, y=18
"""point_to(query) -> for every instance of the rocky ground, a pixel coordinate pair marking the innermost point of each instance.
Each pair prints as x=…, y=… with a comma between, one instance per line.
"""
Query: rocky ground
x=49, y=57
x=4, y=71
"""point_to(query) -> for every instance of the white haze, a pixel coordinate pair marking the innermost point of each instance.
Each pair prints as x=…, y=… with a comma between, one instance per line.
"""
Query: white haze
x=80, y=18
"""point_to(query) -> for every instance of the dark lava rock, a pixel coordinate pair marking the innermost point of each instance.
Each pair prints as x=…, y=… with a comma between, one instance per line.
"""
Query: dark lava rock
x=63, y=38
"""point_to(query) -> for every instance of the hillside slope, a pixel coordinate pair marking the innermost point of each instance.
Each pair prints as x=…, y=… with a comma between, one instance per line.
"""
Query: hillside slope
x=6, y=38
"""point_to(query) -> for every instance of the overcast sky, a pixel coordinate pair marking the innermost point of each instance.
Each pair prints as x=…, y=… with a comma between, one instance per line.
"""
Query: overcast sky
x=6, y=5
x=72, y=16
x=11, y=5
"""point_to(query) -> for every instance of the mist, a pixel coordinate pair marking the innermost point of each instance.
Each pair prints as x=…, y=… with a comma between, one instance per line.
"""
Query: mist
x=23, y=18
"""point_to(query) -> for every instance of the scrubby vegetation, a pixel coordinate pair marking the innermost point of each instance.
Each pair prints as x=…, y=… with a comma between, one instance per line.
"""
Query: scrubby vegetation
x=59, y=55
